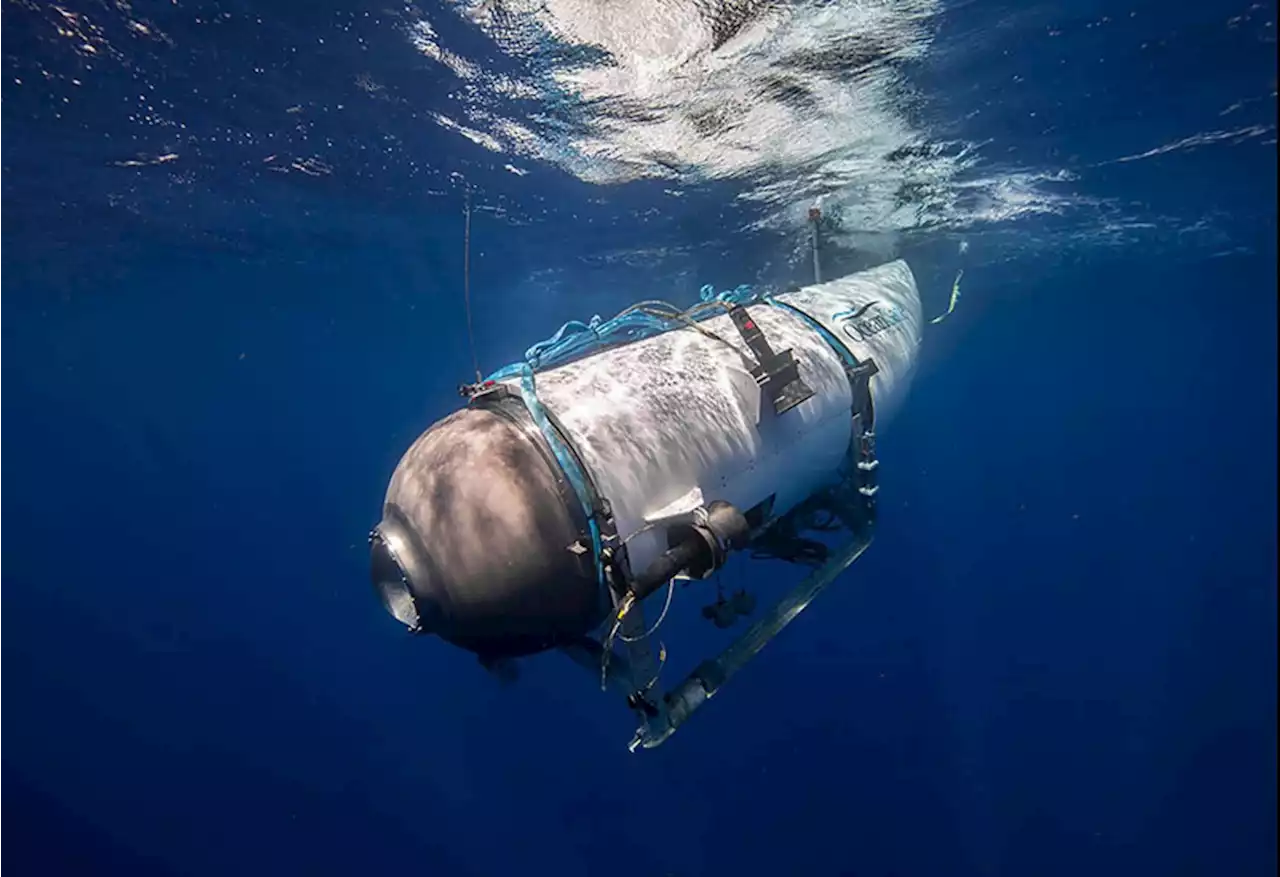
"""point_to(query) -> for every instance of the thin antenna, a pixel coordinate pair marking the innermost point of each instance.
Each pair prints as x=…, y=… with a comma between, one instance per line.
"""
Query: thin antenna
x=466, y=284
x=815, y=216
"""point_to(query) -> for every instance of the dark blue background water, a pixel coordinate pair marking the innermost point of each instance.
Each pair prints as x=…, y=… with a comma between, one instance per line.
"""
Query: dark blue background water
x=1058, y=658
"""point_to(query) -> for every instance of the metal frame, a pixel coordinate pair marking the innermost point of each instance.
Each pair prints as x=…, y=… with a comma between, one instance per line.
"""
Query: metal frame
x=634, y=673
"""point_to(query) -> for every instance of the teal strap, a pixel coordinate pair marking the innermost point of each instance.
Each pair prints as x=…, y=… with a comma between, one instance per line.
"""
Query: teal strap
x=857, y=381
x=576, y=339
x=578, y=479
x=845, y=354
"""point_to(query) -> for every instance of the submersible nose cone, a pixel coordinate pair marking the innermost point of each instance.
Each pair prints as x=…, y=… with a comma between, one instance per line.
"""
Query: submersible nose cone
x=477, y=537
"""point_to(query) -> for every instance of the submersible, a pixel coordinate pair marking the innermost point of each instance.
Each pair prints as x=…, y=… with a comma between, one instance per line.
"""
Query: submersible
x=619, y=457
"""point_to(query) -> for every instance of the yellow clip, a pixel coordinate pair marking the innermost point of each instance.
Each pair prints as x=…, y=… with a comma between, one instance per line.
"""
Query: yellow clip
x=627, y=603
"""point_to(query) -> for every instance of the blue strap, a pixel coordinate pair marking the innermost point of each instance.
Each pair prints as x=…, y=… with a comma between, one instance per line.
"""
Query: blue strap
x=743, y=295
x=848, y=465
x=576, y=338
x=568, y=464
x=845, y=354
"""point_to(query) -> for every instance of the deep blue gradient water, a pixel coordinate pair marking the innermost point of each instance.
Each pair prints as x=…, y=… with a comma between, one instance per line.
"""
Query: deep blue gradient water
x=1058, y=658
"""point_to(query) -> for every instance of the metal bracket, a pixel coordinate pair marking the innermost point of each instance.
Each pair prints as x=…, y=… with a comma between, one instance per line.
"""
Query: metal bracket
x=777, y=374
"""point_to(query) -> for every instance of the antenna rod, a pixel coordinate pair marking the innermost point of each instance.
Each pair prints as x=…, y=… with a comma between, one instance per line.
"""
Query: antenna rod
x=466, y=284
x=815, y=216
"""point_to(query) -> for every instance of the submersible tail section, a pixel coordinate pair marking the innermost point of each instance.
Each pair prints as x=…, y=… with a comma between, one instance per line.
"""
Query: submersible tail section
x=564, y=495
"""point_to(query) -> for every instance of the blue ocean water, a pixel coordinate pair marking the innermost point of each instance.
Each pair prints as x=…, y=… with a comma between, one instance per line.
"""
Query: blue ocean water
x=232, y=296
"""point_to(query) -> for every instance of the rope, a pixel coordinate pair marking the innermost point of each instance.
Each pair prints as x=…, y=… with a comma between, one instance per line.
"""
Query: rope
x=637, y=322
x=671, y=586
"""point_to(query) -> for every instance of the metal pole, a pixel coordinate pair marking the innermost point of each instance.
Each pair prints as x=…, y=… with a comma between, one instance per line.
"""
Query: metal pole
x=815, y=214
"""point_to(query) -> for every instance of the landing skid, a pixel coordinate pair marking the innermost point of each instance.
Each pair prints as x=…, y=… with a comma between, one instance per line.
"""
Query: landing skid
x=636, y=673
x=709, y=677
x=662, y=713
